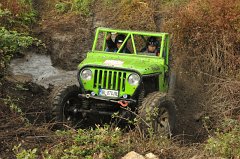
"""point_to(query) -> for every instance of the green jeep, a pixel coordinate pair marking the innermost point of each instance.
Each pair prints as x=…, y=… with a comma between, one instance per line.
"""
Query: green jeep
x=135, y=84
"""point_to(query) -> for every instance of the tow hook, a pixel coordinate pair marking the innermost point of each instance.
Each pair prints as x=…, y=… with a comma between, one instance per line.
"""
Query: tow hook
x=123, y=103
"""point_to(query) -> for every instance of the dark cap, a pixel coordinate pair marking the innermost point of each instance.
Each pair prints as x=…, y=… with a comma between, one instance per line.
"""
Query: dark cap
x=119, y=38
x=152, y=41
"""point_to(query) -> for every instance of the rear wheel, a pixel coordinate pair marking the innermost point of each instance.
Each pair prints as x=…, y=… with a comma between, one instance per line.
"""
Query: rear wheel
x=157, y=114
x=67, y=105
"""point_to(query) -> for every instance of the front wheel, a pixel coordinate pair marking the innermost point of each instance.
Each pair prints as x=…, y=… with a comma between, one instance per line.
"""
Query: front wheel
x=66, y=106
x=157, y=114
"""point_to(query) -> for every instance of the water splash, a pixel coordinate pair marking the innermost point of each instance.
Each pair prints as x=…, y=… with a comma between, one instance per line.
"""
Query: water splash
x=40, y=68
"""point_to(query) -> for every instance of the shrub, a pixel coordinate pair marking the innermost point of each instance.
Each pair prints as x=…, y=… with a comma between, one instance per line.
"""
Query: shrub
x=12, y=42
x=82, y=6
x=206, y=36
x=17, y=15
x=78, y=6
x=25, y=154
x=85, y=143
x=226, y=141
x=224, y=98
x=62, y=7
x=103, y=141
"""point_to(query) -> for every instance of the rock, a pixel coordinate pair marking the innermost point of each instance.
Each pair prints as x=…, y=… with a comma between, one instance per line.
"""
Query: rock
x=151, y=156
x=25, y=78
x=133, y=155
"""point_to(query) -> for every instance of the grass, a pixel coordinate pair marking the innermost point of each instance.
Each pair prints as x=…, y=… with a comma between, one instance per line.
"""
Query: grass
x=77, y=6
x=226, y=141
x=108, y=142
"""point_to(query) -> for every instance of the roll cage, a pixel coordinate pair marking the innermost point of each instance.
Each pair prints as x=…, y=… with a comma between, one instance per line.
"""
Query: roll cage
x=131, y=36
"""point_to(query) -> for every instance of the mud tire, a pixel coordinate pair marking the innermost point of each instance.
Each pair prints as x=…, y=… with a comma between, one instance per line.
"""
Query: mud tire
x=157, y=115
x=64, y=99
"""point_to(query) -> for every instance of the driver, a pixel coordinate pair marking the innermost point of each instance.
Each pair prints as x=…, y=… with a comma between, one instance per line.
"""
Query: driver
x=114, y=46
x=152, y=46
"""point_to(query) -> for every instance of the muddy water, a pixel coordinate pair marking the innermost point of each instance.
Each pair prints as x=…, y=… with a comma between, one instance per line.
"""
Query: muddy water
x=38, y=68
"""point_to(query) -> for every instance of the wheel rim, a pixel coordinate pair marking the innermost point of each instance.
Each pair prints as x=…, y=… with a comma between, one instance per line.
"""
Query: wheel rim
x=71, y=111
x=162, y=123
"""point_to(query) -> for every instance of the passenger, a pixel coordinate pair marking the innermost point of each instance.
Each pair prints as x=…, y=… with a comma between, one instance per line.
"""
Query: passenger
x=114, y=46
x=152, y=46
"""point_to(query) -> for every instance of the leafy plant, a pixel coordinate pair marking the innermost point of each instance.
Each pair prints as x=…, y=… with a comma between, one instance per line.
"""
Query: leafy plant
x=101, y=140
x=62, y=7
x=9, y=101
x=12, y=42
x=226, y=141
x=17, y=14
x=82, y=6
x=15, y=108
x=108, y=2
x=4, y=12
x=78, y=6
x=105, y=141
x=26, y=2
x=28, y=18
x=24, y=154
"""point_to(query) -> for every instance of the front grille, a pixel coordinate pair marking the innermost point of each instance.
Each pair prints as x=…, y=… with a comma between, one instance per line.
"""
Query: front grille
x=109, y=79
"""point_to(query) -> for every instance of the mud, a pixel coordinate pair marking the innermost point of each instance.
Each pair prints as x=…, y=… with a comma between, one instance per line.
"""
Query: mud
x=190, y=110
x=24, y=117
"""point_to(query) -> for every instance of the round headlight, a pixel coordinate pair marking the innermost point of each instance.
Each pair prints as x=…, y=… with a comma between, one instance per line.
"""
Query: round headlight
x=134, y=79
x=86, y=74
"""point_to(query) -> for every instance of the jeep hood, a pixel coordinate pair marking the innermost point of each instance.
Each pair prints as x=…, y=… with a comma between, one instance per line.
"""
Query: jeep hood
x=140, y=63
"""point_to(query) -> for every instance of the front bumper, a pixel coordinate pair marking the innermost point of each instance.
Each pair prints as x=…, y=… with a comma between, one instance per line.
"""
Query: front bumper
x=122, y=101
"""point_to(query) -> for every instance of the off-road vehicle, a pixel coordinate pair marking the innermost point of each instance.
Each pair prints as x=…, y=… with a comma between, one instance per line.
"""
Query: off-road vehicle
x=134, y=84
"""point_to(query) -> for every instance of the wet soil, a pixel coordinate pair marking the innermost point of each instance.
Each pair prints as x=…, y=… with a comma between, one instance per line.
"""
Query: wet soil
x=24, y=117
x=189, y=95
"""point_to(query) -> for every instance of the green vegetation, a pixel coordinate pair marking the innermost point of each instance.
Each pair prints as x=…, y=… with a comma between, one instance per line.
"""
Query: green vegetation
x=16, y=18
x=78, y=6
x=25, y=154
x=102, y=142
x=225, y=142
x=15, y=109
x=84, y=143
x=108, y=2
x=12, y=42
x=173, y=3
x=17, y=15
x=62, y=7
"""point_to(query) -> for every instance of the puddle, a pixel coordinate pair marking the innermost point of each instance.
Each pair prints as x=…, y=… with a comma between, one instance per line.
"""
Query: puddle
x=39, y=68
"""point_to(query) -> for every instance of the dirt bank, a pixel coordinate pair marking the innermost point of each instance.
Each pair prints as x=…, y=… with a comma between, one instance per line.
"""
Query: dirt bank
x=24, y=116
